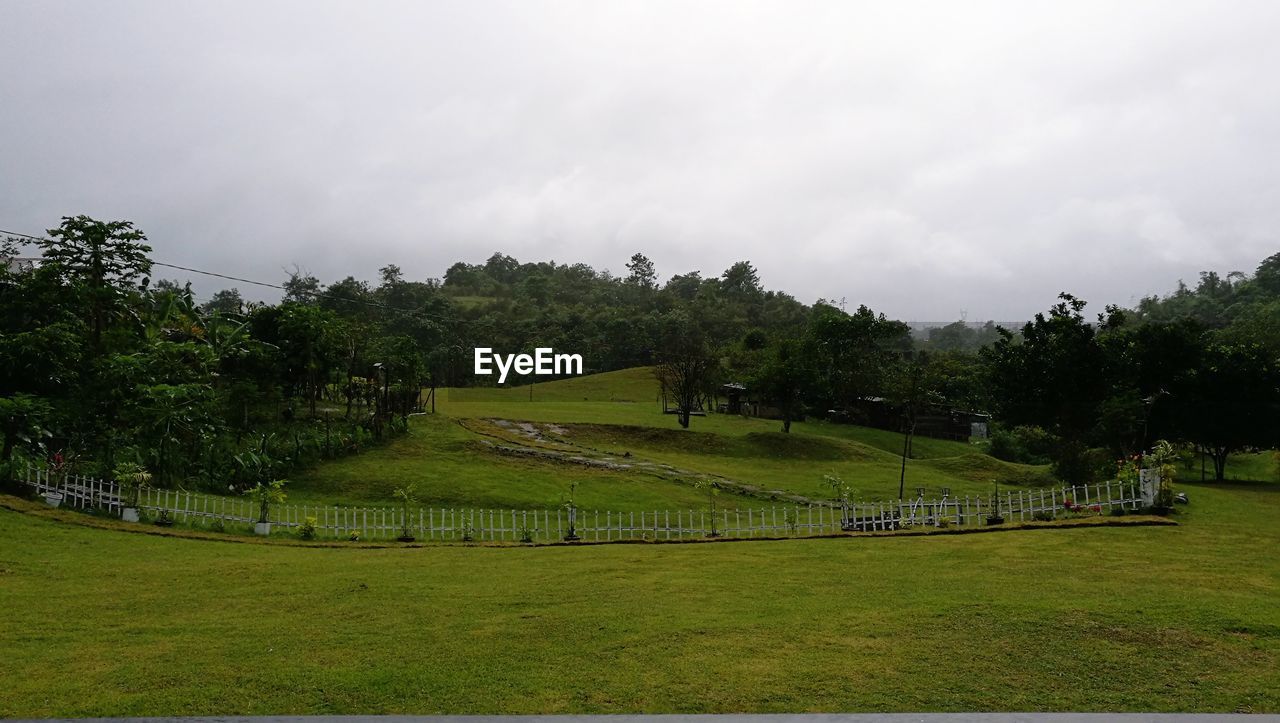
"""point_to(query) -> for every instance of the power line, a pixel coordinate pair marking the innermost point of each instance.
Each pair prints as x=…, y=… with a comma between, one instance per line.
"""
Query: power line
x=316, y=294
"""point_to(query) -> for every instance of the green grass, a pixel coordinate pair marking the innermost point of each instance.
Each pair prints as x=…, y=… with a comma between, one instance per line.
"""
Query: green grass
x=619, y=411
x=449, y=466
x=797, y=462
x=635, y=385
x=105, y=623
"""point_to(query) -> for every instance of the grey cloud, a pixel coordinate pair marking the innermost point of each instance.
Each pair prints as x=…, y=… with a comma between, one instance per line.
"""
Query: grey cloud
x=921, y=158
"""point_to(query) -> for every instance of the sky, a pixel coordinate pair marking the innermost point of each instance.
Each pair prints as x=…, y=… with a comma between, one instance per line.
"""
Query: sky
x=926, y=159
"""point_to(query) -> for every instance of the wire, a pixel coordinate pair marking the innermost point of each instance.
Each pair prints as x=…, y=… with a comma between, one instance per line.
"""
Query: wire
x=316, y=294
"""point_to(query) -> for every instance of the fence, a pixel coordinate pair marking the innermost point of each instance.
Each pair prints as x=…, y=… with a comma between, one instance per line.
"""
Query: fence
x=484, y=525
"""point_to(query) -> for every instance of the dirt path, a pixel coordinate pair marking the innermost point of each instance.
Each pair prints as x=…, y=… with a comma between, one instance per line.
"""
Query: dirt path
x=546, y=441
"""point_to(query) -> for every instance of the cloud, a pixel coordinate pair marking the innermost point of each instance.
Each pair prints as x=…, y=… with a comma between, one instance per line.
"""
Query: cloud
x=922, y=158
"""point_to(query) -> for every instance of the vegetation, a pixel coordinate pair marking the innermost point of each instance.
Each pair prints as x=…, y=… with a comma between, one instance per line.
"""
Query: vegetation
x=103, y=367
x=1153, y=619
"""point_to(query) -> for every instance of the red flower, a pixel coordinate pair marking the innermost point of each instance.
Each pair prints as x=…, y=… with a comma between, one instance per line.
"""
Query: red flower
x=1096, y=508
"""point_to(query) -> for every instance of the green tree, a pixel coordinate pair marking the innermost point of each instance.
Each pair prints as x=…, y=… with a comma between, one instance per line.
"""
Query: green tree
x=1235, y=397
x=108, y=258
x=785, y=377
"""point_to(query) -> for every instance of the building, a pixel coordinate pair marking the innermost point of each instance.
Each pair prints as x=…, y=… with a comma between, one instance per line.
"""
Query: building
x=932, y=421
x=20, y=264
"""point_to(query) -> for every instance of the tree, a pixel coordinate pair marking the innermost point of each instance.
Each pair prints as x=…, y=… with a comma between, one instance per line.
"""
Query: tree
x=784, y=378
x=1267, y=277
x=1234, y=402
x=226, y=301
x=684, y=368
x=642, y=272
x=22, y=419
x=301, y=287
x=854, y=353
x=108, y=258
x=741, y=280
x=913, y=387
x=1053, y=376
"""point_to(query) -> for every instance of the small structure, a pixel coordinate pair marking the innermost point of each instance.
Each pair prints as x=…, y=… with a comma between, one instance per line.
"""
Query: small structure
x=19, y=264
x=932, y=421
x=740, y=400
x=733, y=393
x=671, y=406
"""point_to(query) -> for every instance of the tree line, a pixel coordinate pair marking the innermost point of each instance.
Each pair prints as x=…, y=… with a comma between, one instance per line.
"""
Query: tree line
x=102, y=365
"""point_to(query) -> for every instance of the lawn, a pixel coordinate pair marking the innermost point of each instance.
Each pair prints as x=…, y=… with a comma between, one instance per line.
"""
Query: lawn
x=106, y=623
x=449, y=466
x=620, y=412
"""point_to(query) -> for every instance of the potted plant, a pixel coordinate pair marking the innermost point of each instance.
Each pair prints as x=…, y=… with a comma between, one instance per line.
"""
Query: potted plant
x=163, y=519
x=132, y=478
x=405, y=495
x=57, y=474
x=265, y=495
x=995, y=518
x=1162, y=459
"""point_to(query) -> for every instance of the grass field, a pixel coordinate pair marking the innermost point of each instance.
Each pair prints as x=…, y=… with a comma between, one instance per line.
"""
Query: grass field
x=102, y=622
x=451, y=461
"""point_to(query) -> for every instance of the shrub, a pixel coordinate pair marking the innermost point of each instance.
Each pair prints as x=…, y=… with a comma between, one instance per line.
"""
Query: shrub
x=1118, y=512
x=1024, y=444
x=132, y=478
x=1076, y=464
x=265, y=495
x=307, y=530
x=217, y=525
x=1043, y=516
x=353, y=535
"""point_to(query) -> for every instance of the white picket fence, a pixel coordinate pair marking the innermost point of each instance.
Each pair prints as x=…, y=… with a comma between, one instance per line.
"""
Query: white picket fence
x=484, y=525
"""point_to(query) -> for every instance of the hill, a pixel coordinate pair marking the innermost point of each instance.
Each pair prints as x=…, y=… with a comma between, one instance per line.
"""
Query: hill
x=607, y=433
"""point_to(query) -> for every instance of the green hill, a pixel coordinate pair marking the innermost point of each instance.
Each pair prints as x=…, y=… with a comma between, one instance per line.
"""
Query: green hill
x=637, y=458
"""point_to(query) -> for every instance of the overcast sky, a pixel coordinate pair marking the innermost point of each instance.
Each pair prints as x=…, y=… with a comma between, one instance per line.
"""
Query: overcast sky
x=922, y=159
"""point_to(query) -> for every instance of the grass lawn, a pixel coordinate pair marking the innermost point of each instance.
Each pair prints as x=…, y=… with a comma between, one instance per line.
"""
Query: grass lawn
x=102, y=622
x=452, y=467
x=619, y=412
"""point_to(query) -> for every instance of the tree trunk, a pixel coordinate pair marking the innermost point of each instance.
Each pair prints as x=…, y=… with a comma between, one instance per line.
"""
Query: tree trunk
x=684, y=418
x=1219, y=455
x=902, y=478
x=786, y=424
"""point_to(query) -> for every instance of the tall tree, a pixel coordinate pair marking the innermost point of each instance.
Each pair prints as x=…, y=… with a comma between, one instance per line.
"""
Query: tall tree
x=108, y=257
x=642, y=272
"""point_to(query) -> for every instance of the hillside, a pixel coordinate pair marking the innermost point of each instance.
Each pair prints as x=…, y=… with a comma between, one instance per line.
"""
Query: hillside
x=606, y=433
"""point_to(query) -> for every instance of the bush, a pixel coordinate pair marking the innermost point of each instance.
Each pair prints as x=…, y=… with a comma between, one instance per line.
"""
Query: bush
x=307, y=530
x=1043, y=516
x=1076, y=464
x=1024, y=445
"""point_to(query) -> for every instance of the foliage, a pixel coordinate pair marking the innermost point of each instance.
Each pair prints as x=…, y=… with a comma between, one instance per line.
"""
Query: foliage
x=266, y=494
x=132, y=478
x=1025, y=444
x=406, y=497
x=713, y=490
